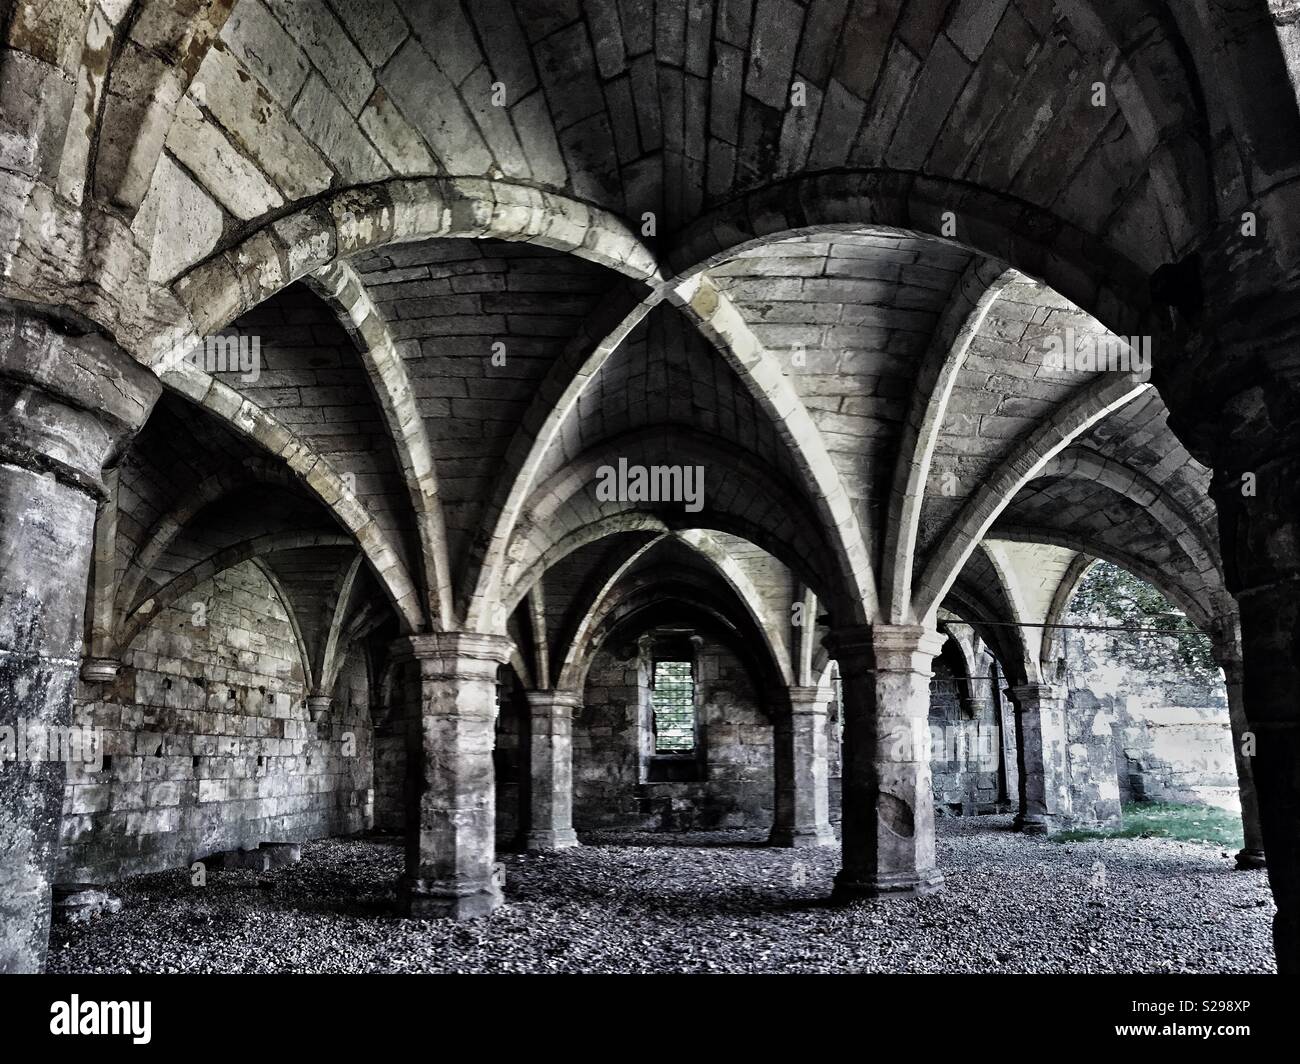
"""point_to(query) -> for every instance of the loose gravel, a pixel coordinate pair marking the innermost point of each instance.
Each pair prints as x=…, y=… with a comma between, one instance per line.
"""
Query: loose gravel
x=717, y=902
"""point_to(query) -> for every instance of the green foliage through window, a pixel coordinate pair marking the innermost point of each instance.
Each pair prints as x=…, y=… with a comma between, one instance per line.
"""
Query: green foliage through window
x=673, y=699
x=1112, y=596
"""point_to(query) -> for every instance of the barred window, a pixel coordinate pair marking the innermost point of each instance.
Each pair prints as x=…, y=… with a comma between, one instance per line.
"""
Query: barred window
x=673, y=699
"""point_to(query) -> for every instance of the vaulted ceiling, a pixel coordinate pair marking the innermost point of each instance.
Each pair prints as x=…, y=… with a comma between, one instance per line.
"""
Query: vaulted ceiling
x=817, y=249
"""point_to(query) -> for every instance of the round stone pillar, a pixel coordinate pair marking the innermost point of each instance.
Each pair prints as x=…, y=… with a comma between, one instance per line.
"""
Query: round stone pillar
x=802, y=773
x=888, y=813
x=550, y=777
x=69, y=401
x=451, y=698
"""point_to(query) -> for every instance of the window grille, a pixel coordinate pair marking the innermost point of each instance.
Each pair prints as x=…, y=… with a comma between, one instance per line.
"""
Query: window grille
x=673, y=699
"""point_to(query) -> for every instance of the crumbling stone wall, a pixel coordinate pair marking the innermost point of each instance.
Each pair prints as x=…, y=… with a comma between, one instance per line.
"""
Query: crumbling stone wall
x=1157, y=735
x=735, y=788
x=1090, y=754
x=1179, y=750
x=208, y=743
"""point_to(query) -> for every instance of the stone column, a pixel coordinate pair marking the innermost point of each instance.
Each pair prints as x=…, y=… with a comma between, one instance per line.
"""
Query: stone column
x=1045, y=805
x=1260, y=532
x=888, y=815
x=803, y=815
x=68, y=405
x=1252, y=854
x=1229, y=373
x=451, y=685
x=550, y=775
x=1008, y=730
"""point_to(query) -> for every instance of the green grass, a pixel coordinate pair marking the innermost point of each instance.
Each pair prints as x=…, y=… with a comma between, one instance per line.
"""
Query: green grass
x=1168, y=820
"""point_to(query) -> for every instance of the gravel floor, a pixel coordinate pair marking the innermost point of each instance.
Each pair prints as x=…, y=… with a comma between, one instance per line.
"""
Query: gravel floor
x=706, y=903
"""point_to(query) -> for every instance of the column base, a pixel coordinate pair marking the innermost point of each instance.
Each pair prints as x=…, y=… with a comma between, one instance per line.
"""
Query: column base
x=787, y=838
x=1247, y=859
x=537, y=841
x=423, y=902
x=894, y=885
x=1036, y=824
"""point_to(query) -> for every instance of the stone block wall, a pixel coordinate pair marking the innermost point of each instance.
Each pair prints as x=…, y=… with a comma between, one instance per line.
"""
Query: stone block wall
x=1090, y=760
x=1155, y=735
x=735, y=785
x=1177, y=751
x=208, y=745
x=965, y=741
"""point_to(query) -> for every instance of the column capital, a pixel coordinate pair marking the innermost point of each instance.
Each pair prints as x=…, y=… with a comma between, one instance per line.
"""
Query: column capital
x=1036, y=692
x=902, y=646
x=851, y=643
x=1226, y=649
x=318, y=706
x=446, y=655
x=69, y=396
x=545, y=702
x=890, y=647
x=808, y=699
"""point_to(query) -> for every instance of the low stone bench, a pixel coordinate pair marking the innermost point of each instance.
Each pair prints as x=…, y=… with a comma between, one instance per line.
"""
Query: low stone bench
x=79, y=903
x=265, y=857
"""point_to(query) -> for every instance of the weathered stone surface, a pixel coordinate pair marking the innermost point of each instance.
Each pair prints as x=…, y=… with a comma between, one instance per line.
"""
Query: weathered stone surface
x=550, y=746
x=450, y=692
x=68, y=404
x=888, y=811
x=199, y=146
x=855, y=350
x=395, y=138
x=257, y=39
x=330, y=49
x=259, y=126
x=428, y=100
x=179, y=222
x=802, y=773
x=335, y=133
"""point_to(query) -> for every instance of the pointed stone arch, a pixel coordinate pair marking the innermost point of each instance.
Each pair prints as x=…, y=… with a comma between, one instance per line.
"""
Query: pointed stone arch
x=316, y=474
x=229, y=283
x=977, y=291
x=1196, y=612
x=255, y=547
x=552, y=506
x=722, y=323
x=339, y=285
x=1074, y=576
x=1085, y=407
x=167, y=527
